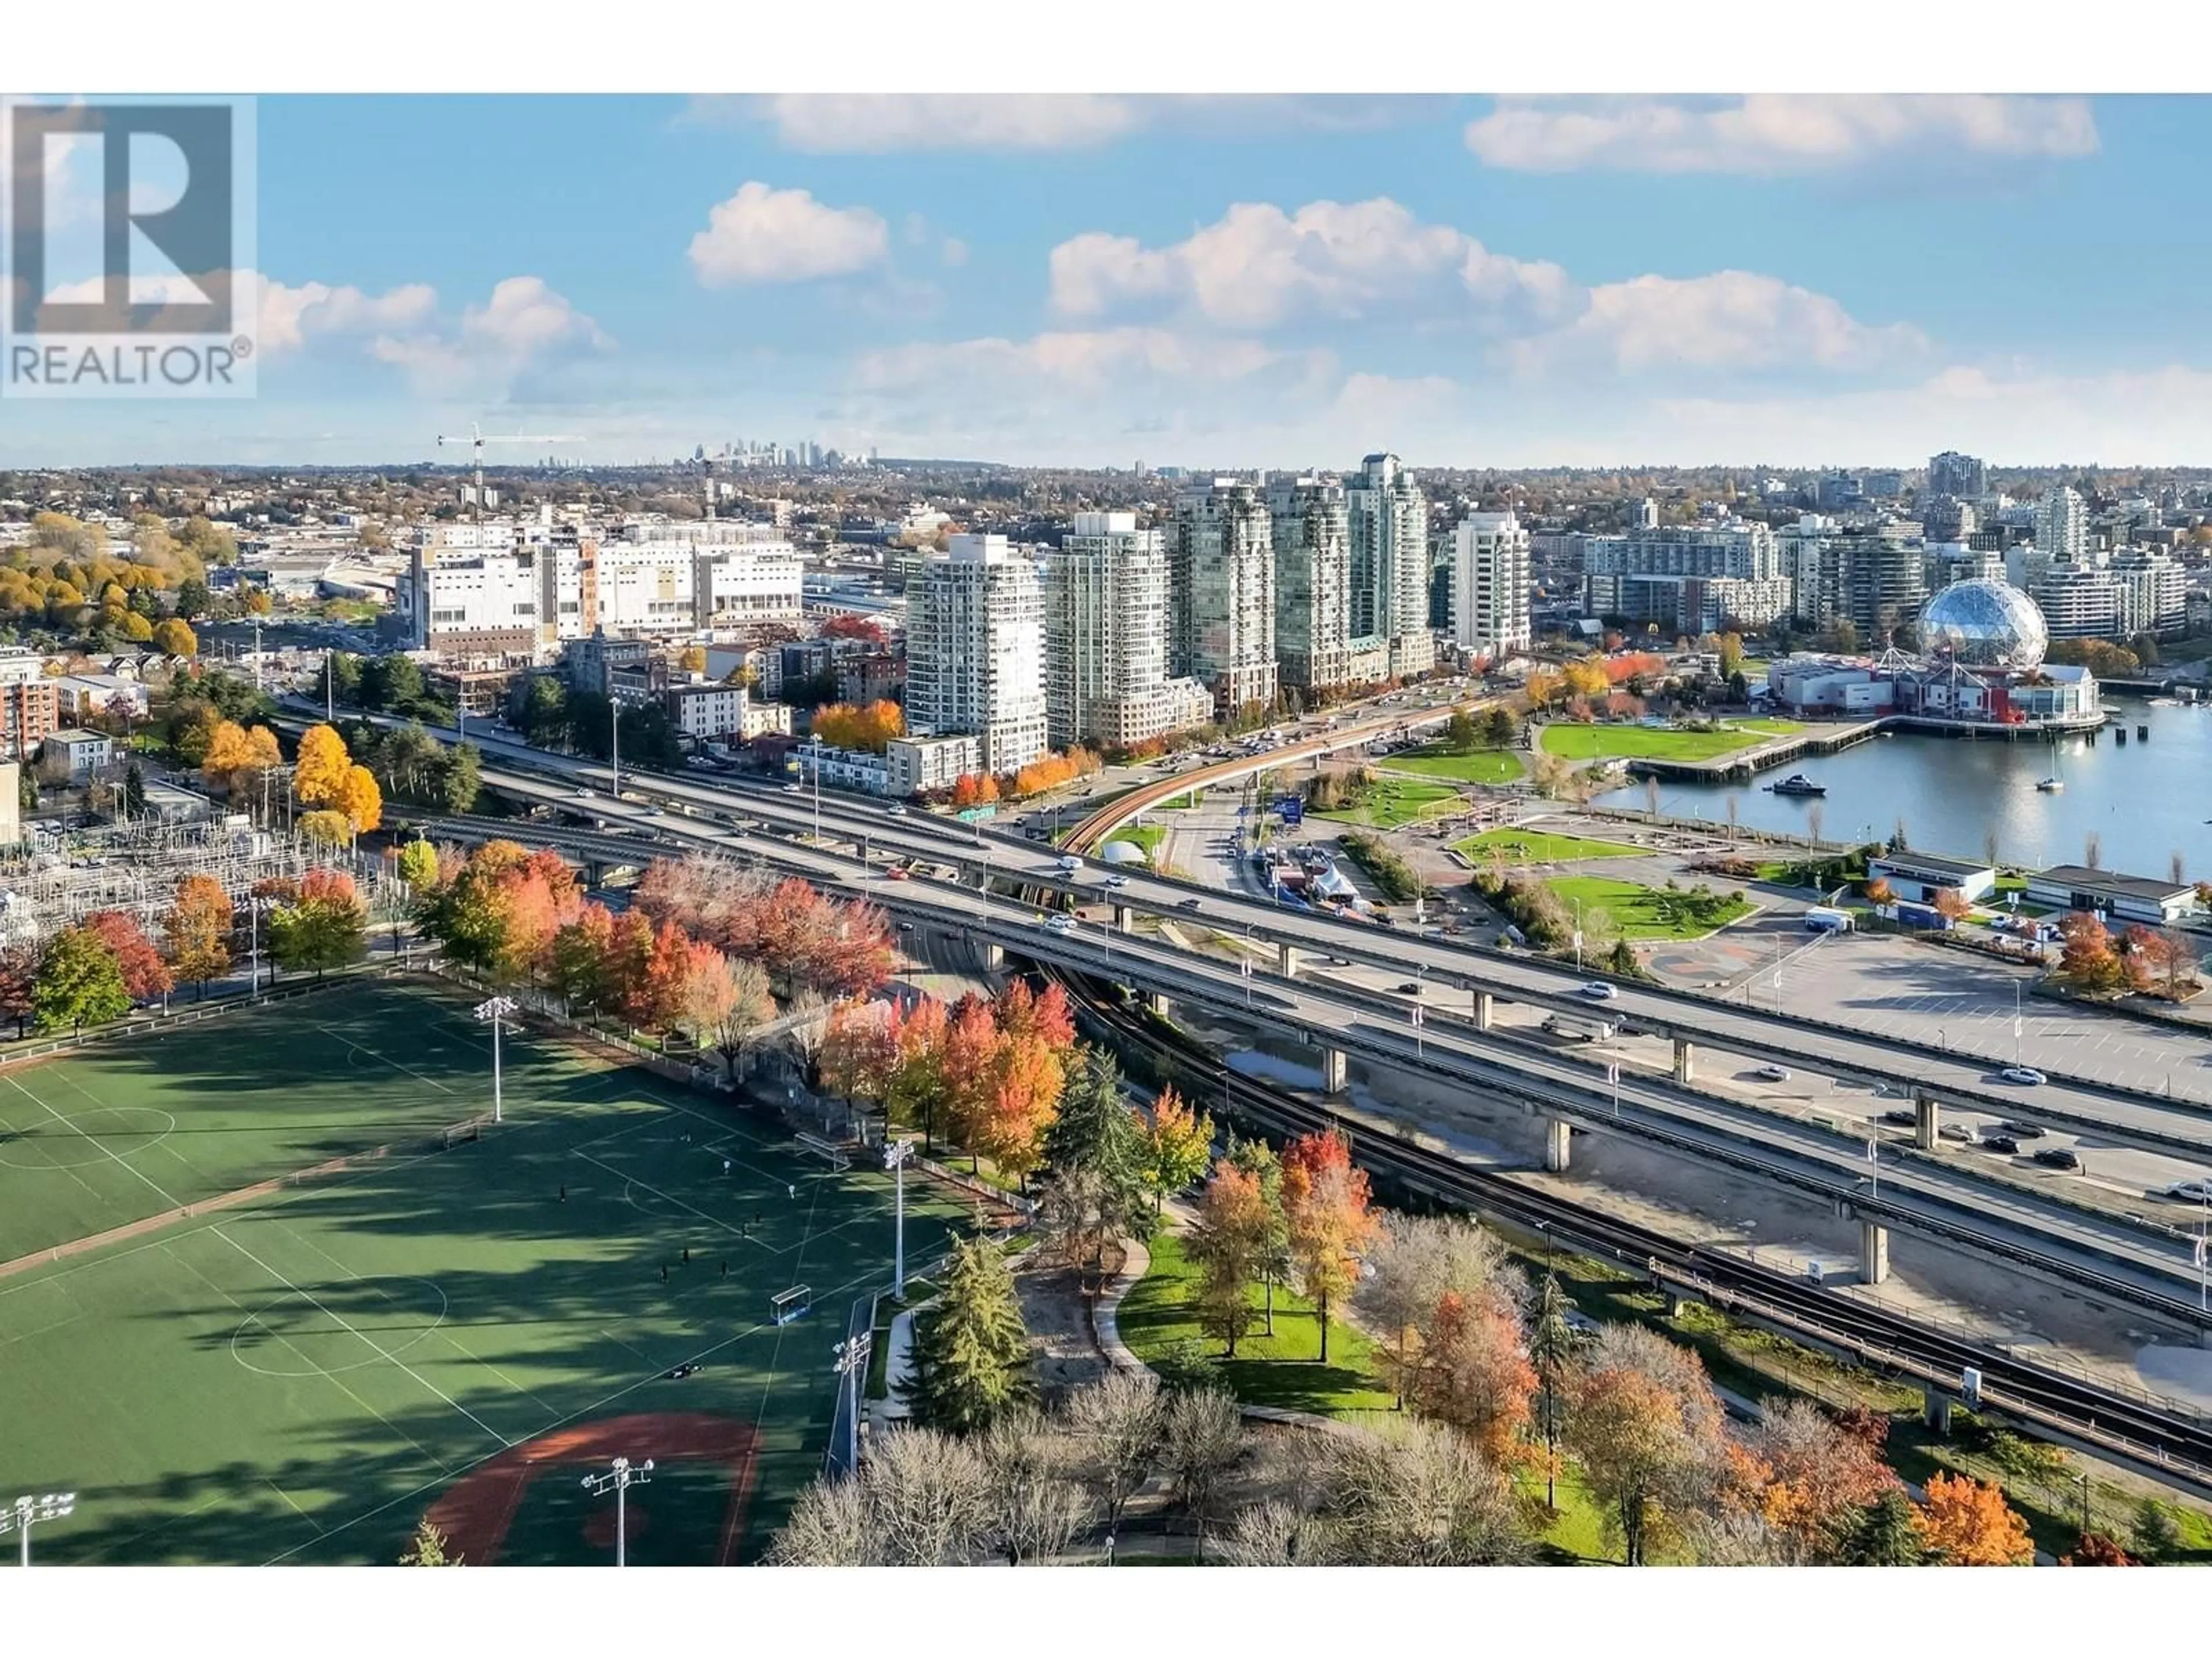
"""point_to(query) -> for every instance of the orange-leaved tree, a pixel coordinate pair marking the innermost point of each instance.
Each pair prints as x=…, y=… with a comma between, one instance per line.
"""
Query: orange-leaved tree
x=1967, y=1524
x=1326, y=1200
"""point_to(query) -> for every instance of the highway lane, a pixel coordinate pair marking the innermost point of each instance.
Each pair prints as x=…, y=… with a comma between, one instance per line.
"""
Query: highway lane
x=1919, y=1195
x=2181, y=1126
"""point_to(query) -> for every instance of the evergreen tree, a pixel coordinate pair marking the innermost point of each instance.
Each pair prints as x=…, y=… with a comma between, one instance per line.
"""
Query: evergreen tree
x=1552, y=1345
x=2153, y=1536
x=1098, y=1136
x=134, y=791
x=971, y=1350
x=1882, y=1535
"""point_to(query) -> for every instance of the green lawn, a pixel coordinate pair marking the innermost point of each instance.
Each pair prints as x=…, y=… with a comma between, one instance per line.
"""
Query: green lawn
x=302, y=1376
x=1478, y=766
x=1283, y=1369
x=1393, y=802
x=1643, y=913
x=1542, y=846
x=1148, y=836
x=1575, y=741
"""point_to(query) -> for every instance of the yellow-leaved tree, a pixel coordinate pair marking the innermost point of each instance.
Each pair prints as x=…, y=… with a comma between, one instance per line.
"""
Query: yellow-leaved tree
x=359, y=799
x=320, y=773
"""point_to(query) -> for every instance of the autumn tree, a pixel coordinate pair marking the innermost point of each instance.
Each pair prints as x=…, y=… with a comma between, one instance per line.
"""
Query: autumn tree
x=1965, y=1523
x=859, y=1051
x=1326, y=1201
x=915, y=1092
x=359, y=799
x=721, y=1002
x=1026, y=1079
x=1820, y=1476
x=79, y=983
x=1178, y=1142
x=2086, y=959
x=1650, y=1433
x=175, y=639
x=19, y=975
x=236, y=757
x=1227, y=1239
x=971, y=1350
x=1953, y=905
x=1555, y=1345
x=146, y=977
x=580, y=961
x=1473, y=1373
x=2096, y=1550
x=318, y=770
x=418, y=866
x=325, y=926
x=1880, y=893
x=1414, y=1264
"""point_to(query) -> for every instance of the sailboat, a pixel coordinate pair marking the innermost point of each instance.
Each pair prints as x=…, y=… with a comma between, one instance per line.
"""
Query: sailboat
x=2053, y=784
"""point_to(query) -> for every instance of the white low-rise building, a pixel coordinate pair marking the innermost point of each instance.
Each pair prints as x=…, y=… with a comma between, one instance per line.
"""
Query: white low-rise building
x=919, y=765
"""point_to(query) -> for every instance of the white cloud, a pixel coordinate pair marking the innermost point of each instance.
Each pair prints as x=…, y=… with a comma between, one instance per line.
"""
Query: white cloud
x=1731, y=320
x=1257, y=267
x=524, y=325
x=290, y=316
x=877, y=123
x=762, y=235
x=1775, y=133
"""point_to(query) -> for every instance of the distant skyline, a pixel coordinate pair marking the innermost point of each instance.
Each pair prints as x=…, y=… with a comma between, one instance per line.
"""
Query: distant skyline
x=1243, y=282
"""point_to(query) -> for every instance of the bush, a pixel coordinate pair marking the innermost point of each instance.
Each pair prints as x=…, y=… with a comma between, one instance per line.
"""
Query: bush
x=1388, y=871
x=1186, y=1367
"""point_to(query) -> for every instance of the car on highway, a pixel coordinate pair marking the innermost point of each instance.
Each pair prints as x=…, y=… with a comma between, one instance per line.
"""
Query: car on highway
x=583, y=794
x=2057, y=1158
x=1772, y=1075
x=1956, y=1131
x=1411, y=988
x=1339, y=962
x=895, y=811
x=1115, y=881
x=655, y=812
x=895, y=874
x=2023, y=1131
x=1060, y=923
x=1998, y=1144
x=1598, y=991
x=2026, y=1076
x=1904, y=1117
x=2195, y=1192
x=1187, y=904
x=793, y=789
x=906, y=927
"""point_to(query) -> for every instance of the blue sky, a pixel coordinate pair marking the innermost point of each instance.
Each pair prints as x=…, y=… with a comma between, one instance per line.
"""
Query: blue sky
x=1228, y=281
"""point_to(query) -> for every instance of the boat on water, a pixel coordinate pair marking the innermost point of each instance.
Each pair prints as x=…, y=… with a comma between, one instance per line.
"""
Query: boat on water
x=2052, y=786
x=1797, y=784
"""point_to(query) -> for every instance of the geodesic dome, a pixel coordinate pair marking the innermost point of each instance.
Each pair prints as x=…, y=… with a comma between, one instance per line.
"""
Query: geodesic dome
x=1984, y=623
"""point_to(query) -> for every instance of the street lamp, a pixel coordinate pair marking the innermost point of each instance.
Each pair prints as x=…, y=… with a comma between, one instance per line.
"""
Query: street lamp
x=895, y=1154
x=493, y=1010
x=19, y=1516
x=620, y=1477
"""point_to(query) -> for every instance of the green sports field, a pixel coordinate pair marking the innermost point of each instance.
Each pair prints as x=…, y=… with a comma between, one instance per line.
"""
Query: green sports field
x=302, y=1376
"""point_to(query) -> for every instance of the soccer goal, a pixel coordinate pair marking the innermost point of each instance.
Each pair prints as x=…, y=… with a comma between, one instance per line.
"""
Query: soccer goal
x=827, y=1151
x=787, y=1305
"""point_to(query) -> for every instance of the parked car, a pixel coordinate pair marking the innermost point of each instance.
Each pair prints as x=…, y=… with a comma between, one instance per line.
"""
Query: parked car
x=2026, y=1076
x=2057, y=1158
x=1998, y=1144
x=1773, y=1074
x=1598, y=991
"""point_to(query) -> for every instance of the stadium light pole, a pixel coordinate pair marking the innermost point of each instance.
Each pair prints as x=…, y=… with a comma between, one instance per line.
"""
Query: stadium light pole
x=493, y=1009
x=620, y=1477
x=255, y=907
x=19, y=1516
x=895, y=1154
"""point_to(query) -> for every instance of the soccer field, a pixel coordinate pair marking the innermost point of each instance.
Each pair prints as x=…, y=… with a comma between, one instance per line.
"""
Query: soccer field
x=302, y=1376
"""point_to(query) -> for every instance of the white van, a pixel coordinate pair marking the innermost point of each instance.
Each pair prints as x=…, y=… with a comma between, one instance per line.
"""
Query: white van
x=1070, y=865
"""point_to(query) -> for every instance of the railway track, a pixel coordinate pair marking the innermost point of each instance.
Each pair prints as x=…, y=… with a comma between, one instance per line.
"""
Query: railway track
x=2162, y=1438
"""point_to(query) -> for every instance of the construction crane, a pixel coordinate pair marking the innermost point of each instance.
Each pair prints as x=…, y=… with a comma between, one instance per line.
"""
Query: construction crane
x=477, y=440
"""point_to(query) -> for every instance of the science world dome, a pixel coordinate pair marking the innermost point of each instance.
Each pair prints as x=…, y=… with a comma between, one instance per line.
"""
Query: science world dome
x=1984, y=623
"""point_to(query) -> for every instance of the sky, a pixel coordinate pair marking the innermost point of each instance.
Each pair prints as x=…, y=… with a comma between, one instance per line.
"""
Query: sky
x=1228, y=281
